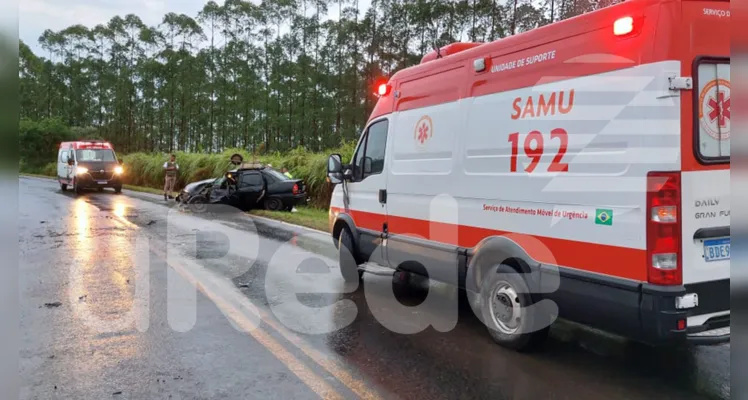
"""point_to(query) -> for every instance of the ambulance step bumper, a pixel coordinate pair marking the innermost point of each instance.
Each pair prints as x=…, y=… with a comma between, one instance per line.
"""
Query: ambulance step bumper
x=713, y=336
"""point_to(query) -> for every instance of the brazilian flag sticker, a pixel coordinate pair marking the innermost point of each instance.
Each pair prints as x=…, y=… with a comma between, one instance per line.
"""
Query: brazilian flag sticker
x=604, y=216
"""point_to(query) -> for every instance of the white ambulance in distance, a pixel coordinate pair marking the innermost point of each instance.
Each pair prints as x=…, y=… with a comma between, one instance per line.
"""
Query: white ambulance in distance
x=586, y=162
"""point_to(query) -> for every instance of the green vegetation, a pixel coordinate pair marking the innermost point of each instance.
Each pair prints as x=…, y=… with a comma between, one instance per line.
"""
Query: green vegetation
x=143, y=169
x=305, y=216
x=263, y=76
x=146, y=169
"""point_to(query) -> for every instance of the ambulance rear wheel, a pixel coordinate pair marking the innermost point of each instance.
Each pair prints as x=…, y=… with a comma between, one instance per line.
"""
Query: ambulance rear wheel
x=513, y=319
x=348, y=265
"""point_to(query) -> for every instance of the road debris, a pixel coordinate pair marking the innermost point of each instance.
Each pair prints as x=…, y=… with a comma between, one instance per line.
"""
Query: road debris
x=52, y=305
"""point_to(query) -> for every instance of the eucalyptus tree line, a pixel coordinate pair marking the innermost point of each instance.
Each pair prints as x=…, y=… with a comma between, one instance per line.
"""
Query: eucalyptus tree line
x=267, y=76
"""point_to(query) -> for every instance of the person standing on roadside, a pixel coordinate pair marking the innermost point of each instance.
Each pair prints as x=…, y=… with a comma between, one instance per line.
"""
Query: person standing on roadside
x=170, y=176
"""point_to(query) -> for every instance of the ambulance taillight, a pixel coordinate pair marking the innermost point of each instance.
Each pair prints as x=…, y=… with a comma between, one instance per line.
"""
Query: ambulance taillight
x=664, y=228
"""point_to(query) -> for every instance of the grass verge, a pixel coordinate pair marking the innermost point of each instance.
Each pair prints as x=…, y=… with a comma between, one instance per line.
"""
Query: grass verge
x=144, y=189
x=305, y=216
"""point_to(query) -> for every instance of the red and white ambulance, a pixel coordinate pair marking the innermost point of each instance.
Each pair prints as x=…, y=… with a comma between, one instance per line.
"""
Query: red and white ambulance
x=586, y=162
x=87, y=164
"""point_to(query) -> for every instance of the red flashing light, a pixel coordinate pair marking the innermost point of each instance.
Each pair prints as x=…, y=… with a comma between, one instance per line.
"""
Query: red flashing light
x=623, y=26
x=383, y=89
x=92, y=145
x=664, y=256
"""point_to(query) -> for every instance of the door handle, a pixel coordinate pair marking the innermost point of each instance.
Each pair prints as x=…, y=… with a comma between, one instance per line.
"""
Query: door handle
x=383, y=196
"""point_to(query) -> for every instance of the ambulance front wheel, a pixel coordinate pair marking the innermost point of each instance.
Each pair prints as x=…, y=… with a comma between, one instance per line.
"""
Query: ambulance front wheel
x=513, y=319
x=348, y=265
x=63, y=186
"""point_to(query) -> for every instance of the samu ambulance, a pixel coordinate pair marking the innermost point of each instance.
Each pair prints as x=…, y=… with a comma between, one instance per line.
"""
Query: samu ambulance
x=87, y=164
x=580, y=170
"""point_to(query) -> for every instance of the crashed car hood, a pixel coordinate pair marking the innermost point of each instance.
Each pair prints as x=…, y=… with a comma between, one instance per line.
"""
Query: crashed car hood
x=196, y=186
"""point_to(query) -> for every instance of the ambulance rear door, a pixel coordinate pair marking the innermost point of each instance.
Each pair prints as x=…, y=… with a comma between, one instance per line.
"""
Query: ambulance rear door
x=706, y=193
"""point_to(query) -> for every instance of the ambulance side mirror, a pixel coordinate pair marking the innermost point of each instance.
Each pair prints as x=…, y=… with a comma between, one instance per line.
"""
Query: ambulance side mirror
x=335, y=169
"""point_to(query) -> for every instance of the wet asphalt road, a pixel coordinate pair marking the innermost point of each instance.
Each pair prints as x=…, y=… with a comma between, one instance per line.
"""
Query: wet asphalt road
x=159, y=303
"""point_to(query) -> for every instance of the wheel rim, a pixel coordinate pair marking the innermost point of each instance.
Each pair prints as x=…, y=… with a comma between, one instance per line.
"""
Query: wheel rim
x=505, y=308
x=275, y=204
x=198, y=204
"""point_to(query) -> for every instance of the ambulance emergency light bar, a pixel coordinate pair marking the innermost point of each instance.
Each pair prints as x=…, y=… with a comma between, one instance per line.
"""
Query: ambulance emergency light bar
x=92, y=144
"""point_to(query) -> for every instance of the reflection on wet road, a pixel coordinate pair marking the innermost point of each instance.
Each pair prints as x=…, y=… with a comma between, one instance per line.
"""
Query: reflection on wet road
x=272, y=319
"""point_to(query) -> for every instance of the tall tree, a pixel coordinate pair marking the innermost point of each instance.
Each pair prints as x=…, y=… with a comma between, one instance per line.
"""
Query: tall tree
x=267, y=76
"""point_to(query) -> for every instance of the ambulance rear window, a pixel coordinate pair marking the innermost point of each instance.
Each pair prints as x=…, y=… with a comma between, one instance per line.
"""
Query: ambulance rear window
x=712, y=122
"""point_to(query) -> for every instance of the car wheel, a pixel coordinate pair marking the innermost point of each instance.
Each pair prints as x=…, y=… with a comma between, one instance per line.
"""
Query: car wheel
x=100, y=189
x=77, y=189
x=198, y=204
x=513, y=319
x=118, y=189
x=346, y=251
x=63, y=186
x=273, y=204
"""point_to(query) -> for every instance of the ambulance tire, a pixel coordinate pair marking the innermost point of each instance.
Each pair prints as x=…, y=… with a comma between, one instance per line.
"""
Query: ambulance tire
x=63, y=186
x=76, y=188
x=348, y=265
x=507, y=285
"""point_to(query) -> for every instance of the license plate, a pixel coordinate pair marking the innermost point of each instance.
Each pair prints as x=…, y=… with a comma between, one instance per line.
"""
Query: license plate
x=102, y=182
x=717, y=249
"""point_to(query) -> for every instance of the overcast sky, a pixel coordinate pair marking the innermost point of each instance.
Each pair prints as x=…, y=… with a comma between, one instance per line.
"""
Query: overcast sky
x=34, y=16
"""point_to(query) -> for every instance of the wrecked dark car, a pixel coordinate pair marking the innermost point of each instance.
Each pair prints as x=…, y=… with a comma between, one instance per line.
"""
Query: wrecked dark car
x=249, y=186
